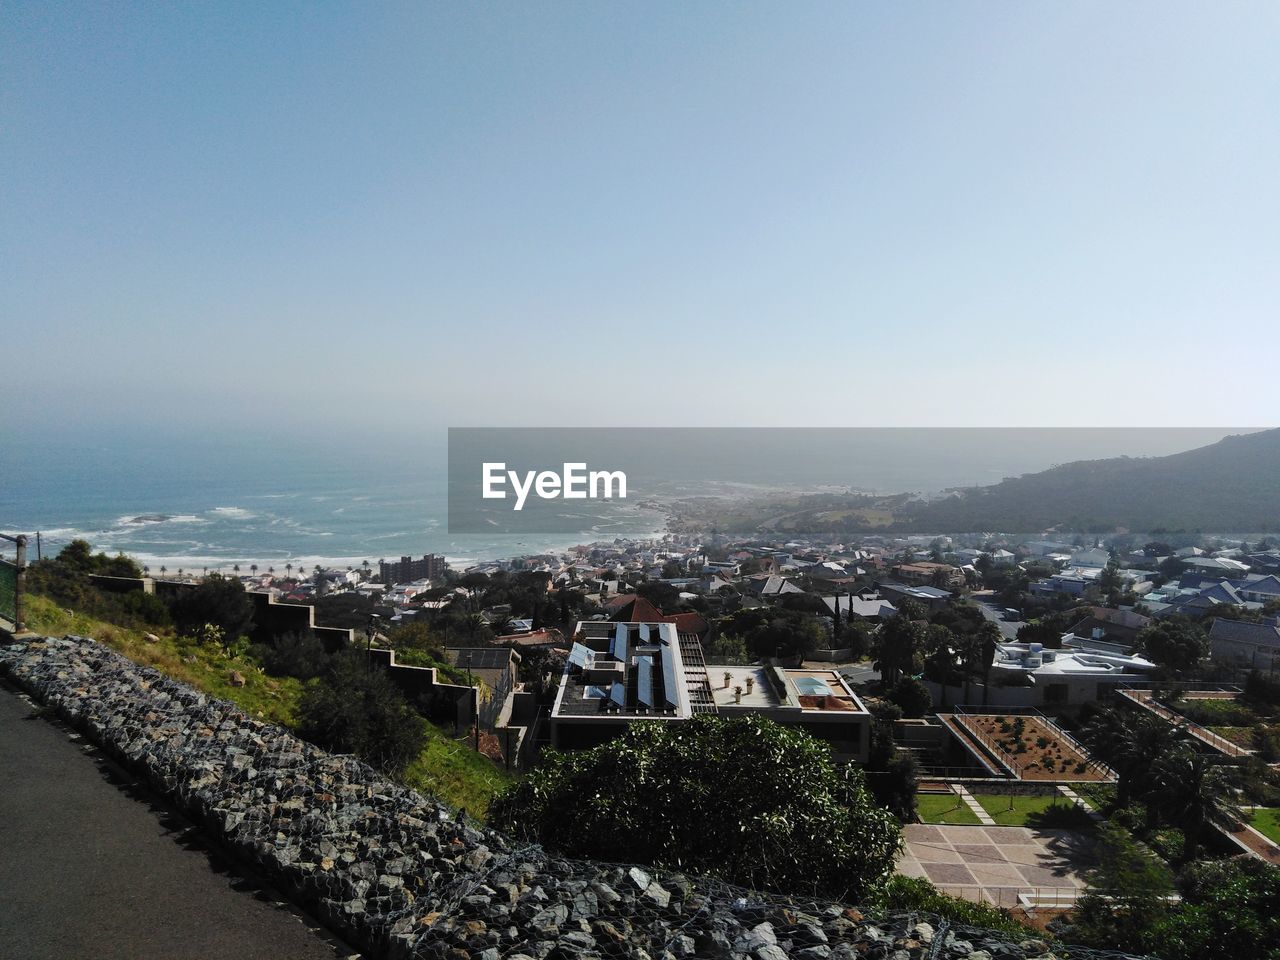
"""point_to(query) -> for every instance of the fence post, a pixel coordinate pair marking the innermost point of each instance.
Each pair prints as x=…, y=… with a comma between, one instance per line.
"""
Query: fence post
x=20, y=594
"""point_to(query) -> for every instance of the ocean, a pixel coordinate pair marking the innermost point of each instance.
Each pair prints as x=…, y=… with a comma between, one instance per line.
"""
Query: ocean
x=197, y=500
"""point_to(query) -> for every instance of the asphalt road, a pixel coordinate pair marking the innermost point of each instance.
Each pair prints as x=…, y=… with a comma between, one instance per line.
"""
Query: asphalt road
x=995, y=613
x=94, y=867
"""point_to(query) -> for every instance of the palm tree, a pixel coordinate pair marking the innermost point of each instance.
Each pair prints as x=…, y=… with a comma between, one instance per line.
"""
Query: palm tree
x=163, y=570
x=1132, y=742
x=253, y=568
x=288, y=569
x=1195, y=792
x=146, y=571
x=236, y=569
x=271, y=571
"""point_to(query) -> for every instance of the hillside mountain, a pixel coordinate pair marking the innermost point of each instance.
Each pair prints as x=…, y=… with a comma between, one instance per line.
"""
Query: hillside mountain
x=1229, y=486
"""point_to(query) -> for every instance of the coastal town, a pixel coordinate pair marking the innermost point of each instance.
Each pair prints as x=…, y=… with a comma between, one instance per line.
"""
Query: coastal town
x=1010, y=701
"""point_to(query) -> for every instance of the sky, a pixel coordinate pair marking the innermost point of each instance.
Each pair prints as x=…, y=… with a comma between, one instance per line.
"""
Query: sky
x=394, y=218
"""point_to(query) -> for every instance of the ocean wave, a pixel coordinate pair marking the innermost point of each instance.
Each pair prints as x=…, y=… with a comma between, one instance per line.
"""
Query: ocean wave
x=234, y=513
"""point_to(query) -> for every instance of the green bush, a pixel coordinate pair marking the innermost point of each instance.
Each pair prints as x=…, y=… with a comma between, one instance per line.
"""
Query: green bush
x=356, y=708
x=300, y=655
x=743, y=798
x=217, y=600
x=912, y=696
x=901, y=894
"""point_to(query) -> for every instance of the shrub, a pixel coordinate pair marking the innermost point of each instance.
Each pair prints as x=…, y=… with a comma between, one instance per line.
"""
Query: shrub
x=300, y=655
x=912, y=696
x=902, y=894
x=217, y=600
x=756, y=803
x=356, y=708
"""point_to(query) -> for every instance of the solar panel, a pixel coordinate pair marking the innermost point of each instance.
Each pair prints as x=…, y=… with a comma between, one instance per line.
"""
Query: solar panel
x=669, y=676
x=581, y=656
x=619, y=646
x=596, y=693
x=644, y=681
x=618, y=695
x=644, y=633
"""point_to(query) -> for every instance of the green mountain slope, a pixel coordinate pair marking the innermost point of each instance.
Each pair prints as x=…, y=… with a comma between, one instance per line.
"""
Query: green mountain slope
x=1231, y=485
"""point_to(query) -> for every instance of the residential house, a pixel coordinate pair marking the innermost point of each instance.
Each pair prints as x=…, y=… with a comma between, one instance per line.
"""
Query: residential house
x=1253, y=646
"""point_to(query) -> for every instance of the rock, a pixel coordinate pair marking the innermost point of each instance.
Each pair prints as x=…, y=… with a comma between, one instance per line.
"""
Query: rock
x=639, y=878
x=656, y=895
x=770, y=951
x=237, y=678
x=150, y=638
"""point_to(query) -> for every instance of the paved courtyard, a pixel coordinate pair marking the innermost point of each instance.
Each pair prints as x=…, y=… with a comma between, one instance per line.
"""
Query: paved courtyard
x=996, y=864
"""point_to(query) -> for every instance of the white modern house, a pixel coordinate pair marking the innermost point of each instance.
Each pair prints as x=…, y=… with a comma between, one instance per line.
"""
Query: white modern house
x=1028, y=675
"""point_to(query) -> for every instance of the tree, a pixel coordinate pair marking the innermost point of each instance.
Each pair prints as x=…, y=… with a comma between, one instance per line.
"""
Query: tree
x=912, y=696
x=1126, y=891
x=781, y=816
x=1195, y=792
x=989, y=638
x=1109, y=581
x=662, y=595
x=777, y=632
x=1131, y=742
x=942, y=658
x=1176, y=643
x=898, y=647
x=1229, y=908
x=355, y=709
x=216, y=600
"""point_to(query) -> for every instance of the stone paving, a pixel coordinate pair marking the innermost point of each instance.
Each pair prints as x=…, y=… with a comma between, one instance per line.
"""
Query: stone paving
x=996, y=864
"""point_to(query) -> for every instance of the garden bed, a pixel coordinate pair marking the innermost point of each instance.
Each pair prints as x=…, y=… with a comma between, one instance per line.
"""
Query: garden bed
x=1033, y=748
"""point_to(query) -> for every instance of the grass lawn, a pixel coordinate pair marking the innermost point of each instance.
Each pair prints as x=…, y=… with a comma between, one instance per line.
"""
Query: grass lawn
x=1023, y=807
x=944, y=808
x=447, y=770
x=1266, y=820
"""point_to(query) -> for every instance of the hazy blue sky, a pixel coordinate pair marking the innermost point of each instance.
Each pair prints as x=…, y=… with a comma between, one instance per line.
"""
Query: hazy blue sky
x=582, y=213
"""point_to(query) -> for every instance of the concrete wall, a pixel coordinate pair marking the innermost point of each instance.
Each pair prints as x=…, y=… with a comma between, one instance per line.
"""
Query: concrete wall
x=272, y=619
x=443, y=702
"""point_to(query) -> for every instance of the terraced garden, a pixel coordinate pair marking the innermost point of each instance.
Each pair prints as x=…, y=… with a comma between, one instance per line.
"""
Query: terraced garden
x=1033, y=748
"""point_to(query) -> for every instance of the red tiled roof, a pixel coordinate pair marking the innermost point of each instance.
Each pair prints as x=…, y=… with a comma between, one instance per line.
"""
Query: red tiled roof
x=692, y=622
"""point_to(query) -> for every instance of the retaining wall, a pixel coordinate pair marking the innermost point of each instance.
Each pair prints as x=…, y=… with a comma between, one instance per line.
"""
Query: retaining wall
x=396, y=874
